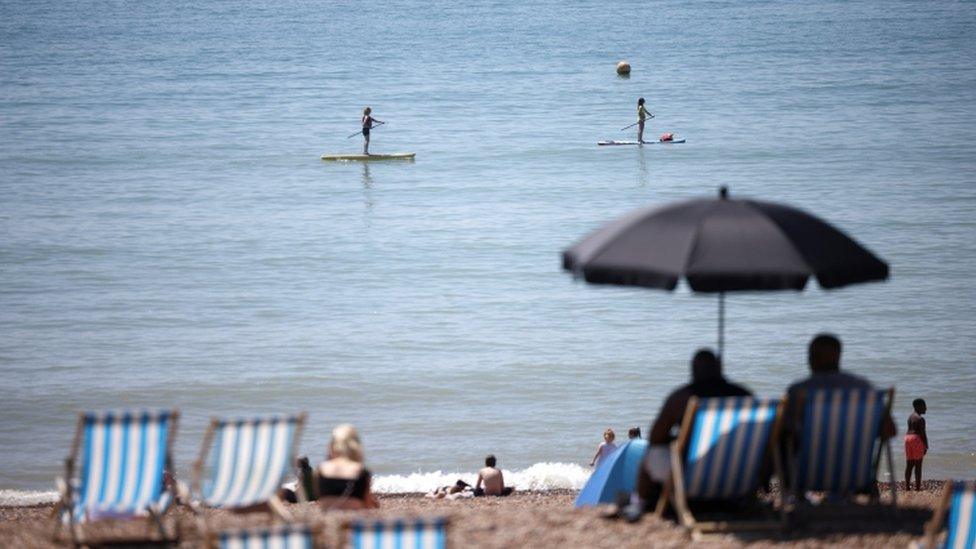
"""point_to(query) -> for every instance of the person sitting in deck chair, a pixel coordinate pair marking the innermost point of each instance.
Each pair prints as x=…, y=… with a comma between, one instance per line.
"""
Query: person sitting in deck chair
x=823, y=357
x=706, y=381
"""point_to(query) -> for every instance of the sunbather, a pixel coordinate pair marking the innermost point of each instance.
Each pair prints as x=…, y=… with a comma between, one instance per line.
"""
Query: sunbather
x=343, y=482
x=457, y=490
x=492, y=479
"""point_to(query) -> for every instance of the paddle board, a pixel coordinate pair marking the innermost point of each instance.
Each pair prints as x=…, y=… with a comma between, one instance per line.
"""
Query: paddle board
x=368, y=157
x=607, y=143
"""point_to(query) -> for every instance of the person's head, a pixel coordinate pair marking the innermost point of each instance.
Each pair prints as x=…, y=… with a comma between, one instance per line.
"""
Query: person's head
x=640, y=101
x=458, y=487
x=345, y=443
x=633, y=433
x=705, y=366
x=366, y=111
x=824, y=353
x=490, y=461
x=919, y=406
x=609, y=435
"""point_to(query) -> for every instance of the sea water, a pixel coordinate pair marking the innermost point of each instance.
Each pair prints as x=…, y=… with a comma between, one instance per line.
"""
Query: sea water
x=170, y=238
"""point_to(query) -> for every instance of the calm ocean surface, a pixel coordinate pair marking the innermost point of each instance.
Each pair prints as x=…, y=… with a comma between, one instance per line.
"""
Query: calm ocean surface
x=170, y=238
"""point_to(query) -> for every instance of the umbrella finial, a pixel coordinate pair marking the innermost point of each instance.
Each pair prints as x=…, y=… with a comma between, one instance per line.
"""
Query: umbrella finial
x=723, y=192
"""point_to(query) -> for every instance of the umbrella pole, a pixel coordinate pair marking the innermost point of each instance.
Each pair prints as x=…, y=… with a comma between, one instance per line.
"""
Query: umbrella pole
x=721, y=323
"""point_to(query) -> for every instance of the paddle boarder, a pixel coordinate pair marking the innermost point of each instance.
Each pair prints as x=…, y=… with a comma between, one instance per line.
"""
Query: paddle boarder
x=368, y=123
x=642, y=115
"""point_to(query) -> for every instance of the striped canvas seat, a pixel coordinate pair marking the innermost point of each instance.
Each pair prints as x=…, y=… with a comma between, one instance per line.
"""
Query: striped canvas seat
x=116, y=469
x=728, y=447
x=962, y=517
x=719, y=456
x=959, y=500
x=249, y=459
x=285, y=537
x=839, y=438
x=124, y=456
x=402, y=534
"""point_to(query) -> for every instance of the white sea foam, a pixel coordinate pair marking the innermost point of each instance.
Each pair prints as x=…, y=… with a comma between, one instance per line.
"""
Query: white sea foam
x=541, y=476
x=18, y=498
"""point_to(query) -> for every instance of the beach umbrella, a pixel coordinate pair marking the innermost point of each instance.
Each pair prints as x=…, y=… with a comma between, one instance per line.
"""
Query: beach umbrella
x=722, y=245
x=617, y=473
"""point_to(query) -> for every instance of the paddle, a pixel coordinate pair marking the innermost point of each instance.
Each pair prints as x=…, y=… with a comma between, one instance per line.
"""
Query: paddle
x=378, y=123
x=649, y=115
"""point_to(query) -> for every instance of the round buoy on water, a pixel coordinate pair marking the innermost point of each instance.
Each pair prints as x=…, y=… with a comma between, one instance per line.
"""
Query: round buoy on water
x=623, y=67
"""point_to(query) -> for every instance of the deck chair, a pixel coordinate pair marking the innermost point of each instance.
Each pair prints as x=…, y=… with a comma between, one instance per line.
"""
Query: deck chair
x=116, y=470
x=249, y=458
x=400, y=533
x=720, y=455
x=959, y=501
x=291, y=536
x=840, y=442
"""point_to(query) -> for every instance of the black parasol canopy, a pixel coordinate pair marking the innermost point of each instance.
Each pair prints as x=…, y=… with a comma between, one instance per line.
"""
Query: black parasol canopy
x=722, y=245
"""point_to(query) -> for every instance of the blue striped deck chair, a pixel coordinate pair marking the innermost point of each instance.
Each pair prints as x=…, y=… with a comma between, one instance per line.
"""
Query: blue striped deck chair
x=248, y=460
x=291, y=536
x=959, y=501
x=400, y=533
x=116, y=470
x=840, y=442
x=723, y=448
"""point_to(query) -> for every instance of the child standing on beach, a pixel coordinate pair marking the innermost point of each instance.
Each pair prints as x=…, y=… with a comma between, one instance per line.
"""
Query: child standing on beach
x=605, y=448
x=368, y=122
x=916, y=445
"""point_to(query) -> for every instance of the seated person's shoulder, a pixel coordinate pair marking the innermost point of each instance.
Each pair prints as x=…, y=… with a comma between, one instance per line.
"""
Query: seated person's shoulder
x=738, y=390
x=679, y=397
x=855, y=381
x=834, y=380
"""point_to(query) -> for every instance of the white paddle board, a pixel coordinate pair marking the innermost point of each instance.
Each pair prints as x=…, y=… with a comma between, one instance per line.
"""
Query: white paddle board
x=617, y=143
x=367, y=157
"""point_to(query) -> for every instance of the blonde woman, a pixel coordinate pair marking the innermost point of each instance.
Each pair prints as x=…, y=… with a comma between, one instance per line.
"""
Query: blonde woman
x=342, y=481
x=605, y=448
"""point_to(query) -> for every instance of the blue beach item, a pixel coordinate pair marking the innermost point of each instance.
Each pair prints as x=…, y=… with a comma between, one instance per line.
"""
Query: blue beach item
x=724, y=445
x=248, y=460
x=617, y=473
x=962, y=516
x=728, y=446
x=281, y=537
x=400, y=533
x=840, y=441
x=959, y=499
x=123, y=459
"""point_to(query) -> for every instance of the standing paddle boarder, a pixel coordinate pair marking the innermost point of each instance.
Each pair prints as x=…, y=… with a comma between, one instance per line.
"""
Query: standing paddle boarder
x=642, y=114
x=368, y=121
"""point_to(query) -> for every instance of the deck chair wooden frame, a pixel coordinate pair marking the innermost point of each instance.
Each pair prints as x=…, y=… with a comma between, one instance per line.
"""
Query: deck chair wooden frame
x=884, y=446
x=933, y=528
x=347, y=527
x=675, y=492
x=68, y=490
x=274, y=506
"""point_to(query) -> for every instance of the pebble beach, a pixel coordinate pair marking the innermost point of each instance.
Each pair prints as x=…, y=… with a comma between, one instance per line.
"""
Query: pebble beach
x=540, y=519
